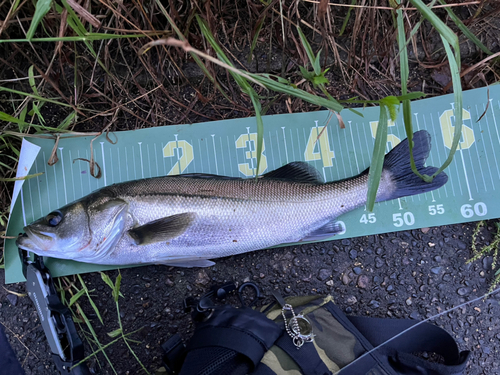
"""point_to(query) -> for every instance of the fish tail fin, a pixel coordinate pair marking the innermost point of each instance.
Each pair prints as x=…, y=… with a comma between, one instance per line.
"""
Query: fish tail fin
x=403, y=180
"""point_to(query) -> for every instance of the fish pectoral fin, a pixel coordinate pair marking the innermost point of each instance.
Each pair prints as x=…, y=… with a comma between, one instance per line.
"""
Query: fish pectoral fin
x=328, y=230
x=162, y=229
x=189, y=263
x=297, y=171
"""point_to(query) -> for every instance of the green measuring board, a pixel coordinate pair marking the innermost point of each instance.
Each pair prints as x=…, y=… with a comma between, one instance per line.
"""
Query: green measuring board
x=229, y=148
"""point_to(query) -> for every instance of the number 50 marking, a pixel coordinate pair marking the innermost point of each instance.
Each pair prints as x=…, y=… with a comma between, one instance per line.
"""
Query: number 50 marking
x=401, y=219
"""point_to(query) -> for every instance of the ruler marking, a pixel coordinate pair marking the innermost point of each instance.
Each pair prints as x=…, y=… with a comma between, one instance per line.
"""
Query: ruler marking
x=72, y=174
x=149, y=160
x=284, y=140
x=104, y=163
x=156, y=161
x=279, y=148
x=215, y=155
x=223, y=161
x=491, y=141
x=233, y=173
x=487, y=161
x=31, y=201
x=271, y=150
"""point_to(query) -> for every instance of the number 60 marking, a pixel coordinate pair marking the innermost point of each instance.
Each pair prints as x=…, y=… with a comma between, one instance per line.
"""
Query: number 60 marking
x=480, y=209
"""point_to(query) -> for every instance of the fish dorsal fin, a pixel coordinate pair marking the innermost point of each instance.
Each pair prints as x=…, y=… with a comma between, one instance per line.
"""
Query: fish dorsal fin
x=328, y=230
x=297, y=171
x=162, y=229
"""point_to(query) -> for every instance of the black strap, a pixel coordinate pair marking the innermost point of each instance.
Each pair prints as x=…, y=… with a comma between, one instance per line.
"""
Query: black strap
x=229, y=338
x=423, y=337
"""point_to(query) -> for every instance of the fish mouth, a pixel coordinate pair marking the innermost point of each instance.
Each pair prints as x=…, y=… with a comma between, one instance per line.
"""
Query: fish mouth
x=32, y=240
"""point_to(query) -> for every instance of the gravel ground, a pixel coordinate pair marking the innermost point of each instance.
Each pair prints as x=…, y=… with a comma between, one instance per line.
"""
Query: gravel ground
x=412, y=274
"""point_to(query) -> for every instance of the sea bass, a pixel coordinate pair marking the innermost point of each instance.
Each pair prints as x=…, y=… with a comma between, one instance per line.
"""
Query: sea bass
x=185, y=220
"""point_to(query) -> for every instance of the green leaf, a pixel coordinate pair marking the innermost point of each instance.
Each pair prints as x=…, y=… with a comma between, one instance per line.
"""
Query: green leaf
x=307, y=47
x=465, y=30
x=71, y=118
x=41, y=9
x=377, y=163
x=74, y=298
x=115, y=333
x=116, y=289
x=107, y=280
x=31, y=78
x=319, y=80
x=392, y=105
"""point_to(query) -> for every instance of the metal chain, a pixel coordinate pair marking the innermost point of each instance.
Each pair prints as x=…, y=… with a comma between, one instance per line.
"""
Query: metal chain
x=292, y=327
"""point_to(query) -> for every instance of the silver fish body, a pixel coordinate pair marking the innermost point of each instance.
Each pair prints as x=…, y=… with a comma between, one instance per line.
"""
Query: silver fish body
x=186, y=220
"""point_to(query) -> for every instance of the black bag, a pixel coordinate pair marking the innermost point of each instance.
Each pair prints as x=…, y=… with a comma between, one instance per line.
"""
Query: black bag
x=234, y=341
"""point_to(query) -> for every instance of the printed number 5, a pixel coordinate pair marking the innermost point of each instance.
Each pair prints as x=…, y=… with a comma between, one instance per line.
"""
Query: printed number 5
x=436, y=209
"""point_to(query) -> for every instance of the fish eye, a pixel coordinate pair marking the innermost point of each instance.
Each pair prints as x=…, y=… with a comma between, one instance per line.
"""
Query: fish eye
x=54, y=218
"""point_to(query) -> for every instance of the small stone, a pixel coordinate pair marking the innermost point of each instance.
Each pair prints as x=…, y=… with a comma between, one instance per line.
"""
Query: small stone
x=261, y=275
x=357, y=270
x=351, y=300
x=374, y=304
x=425, y=230
x=363, y=281
x=329, y=283
x=436, y=270
x=348, y=309
x=324, y=274
x=353, y=254
x=288, y=289
x=447, y=277
x=12, y=299
x=345, y=279
x=437, y=258
x=414, y=315
x=379, y=251
x=461, y=245
x=378, y=262
x=463, y=291
x=408, y=302
x=470, y=319
x=486, y=349
x=169, y=282
x=487, y=262
x=346, y=242
x=389, y=289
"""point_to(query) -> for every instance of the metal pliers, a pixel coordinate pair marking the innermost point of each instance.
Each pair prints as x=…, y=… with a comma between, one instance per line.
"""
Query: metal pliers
x=65, y=344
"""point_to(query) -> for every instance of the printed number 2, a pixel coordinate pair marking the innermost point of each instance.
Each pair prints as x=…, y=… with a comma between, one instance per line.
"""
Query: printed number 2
x=184, y=152
x=370, y=218
x=436, y=209
x=400, y=219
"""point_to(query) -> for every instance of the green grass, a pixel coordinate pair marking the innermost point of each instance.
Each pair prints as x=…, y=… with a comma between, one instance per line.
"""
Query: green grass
x=491, y=249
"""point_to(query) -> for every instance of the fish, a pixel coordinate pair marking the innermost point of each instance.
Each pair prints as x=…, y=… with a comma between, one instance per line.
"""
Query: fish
x=186, y=220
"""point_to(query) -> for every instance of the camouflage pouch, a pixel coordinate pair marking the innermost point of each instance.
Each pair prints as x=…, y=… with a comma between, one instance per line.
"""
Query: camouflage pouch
x=342, y=345
x=308, y=335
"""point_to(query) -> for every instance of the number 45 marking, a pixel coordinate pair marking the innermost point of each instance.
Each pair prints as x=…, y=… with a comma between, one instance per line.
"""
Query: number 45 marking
x=370, y=218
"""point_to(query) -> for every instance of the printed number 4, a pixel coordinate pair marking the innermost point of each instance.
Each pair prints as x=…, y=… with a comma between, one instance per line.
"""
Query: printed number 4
x=370, y=218
x=436, y=209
